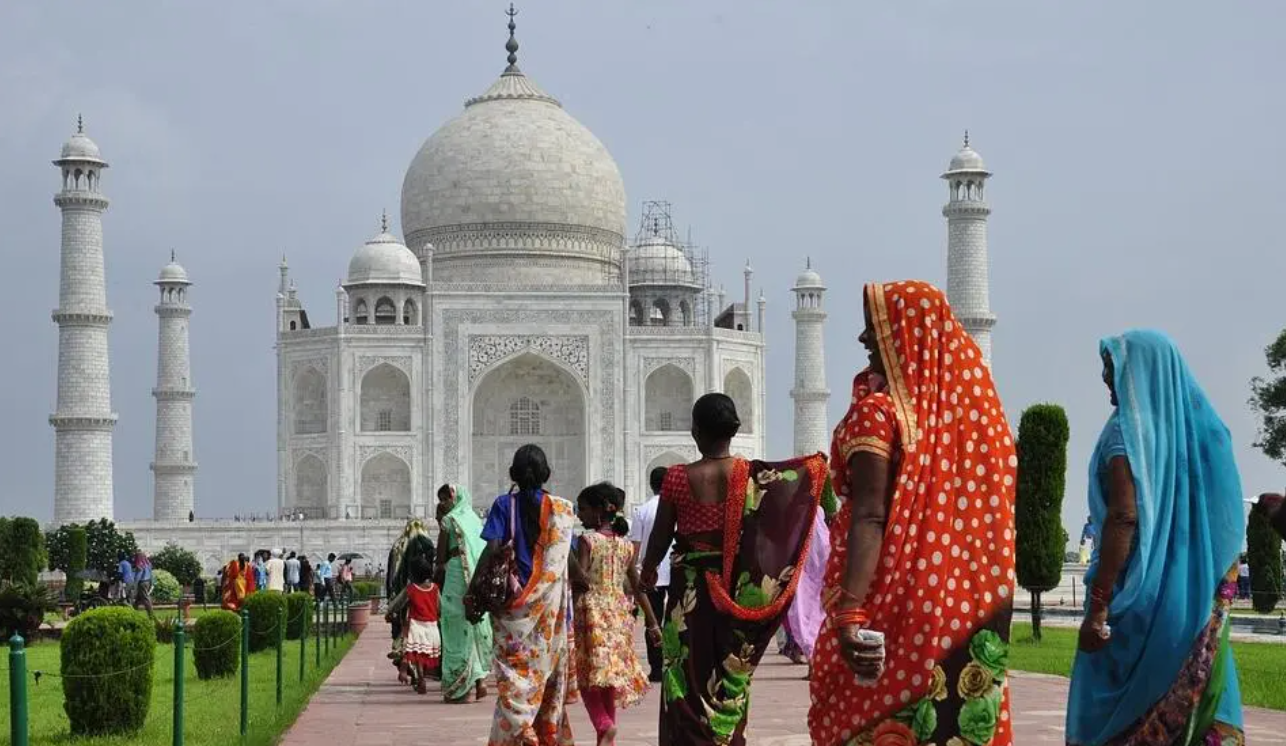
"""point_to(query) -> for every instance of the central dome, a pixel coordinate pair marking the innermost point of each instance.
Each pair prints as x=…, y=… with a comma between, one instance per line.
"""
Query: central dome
x=515, y=190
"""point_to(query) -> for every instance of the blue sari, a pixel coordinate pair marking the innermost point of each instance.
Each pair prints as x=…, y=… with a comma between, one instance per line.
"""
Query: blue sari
x=1167, y=675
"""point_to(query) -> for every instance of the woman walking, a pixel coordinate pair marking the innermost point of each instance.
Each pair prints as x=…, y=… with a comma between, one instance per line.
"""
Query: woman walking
x=919, y=584
x=1154, y=665
x=421, y=602
x=405, y=552
x=742, y=533
x=608, y=671
x=466, y=647
x=533, y=636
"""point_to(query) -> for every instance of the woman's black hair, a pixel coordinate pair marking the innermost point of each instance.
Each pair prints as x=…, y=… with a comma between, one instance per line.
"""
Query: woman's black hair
x=444, y=492
x=529, y=472
x=715, y=416
x=609, y=499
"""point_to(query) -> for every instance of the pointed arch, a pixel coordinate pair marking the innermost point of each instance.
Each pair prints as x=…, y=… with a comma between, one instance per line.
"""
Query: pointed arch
x=312, y=481
x=386, y=487
x=737, y=385
x=308, y=402
x=667, y=400
x=386, y=400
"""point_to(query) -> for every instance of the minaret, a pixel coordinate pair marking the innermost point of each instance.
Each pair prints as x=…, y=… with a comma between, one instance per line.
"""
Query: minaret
x=966, y=212
x=810, y=392
x=173, y=470
x=83, y=419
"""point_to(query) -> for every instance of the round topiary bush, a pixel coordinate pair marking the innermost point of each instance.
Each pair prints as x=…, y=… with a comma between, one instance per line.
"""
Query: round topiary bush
x=299, y=614
x=265, y=609
x=216, y=644
x=106, y=669
x=165, y=587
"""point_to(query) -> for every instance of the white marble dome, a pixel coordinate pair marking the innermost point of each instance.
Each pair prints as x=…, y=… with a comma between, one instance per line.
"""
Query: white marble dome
x=514, y=189
x=383, y=260
x=809, y=279
x=967, y=160
x=79, y=147
x=173, y=273
x=656, y=261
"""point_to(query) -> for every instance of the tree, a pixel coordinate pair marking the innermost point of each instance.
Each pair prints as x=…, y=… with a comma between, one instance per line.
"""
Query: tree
x=22, y=550
x=1042, y=471
x=104, y=546
x=1264, y=553
x=1268, y=399
x=179, y=562
x=77, y=556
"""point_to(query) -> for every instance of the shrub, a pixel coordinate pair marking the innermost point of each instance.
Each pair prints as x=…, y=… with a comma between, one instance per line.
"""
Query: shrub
x=165, y=589
x=77, y=552
x=364, y=590
x=1038, y=511
x=265, y=609
x=213, y=593
x=107, y=660
x=165, y=629
x=1264, y=553
x=22, y=550
x=23, y=607
x=179, y=562
x=216, y=644
x=299, y=614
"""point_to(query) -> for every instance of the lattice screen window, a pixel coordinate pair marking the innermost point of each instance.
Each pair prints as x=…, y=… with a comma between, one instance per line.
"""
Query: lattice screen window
x=384, y=421
x=524, y=417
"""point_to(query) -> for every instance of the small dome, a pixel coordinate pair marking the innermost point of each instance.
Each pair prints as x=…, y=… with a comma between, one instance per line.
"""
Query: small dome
x=173, y=273
x=809, y=279
x=383, y=260
x=655, y=261
x=80, y=147
x=967, y=160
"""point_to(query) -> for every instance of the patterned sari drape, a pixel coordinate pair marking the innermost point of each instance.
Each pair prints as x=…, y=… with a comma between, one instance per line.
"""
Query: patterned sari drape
x=726, y=604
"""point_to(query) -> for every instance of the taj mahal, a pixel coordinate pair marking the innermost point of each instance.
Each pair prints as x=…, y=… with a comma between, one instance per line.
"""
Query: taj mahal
x=517, y=306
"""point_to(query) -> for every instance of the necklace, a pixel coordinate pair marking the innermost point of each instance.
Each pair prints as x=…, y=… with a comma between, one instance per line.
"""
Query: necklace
x=717, y=458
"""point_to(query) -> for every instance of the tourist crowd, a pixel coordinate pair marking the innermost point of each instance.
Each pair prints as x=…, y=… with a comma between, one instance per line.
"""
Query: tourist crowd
x=889, y=564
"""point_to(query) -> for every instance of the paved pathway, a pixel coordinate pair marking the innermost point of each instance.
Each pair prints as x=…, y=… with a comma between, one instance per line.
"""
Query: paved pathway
x=361, y=704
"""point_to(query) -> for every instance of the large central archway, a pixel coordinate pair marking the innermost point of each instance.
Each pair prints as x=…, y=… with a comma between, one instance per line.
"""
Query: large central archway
x=527, y=399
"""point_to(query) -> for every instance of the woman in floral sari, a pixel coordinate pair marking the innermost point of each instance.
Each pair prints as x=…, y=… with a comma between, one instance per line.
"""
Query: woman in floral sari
x=1154, y=665
x=920, y=579
x=466, y=647
x=742, y=532
x=533, y=656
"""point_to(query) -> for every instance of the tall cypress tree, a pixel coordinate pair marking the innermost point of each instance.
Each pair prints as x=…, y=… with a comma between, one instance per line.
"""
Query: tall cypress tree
x=1042, y=473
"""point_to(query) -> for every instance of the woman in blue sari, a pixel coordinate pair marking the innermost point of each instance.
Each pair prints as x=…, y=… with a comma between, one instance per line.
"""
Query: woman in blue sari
x=1154, y=665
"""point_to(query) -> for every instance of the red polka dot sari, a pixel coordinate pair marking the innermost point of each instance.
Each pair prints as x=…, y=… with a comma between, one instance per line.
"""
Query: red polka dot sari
x=943, y=587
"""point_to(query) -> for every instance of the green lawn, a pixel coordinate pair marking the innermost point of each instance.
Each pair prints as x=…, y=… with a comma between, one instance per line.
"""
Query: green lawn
x=212, y=708
x=1259, y=665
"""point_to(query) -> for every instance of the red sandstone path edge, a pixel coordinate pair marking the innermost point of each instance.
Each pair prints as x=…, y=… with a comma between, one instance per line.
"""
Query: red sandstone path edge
x=361, y=704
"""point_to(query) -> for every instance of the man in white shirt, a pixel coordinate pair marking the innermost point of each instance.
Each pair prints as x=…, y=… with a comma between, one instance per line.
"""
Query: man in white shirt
x=276, y=569
x=292, y=573
x=640, y=532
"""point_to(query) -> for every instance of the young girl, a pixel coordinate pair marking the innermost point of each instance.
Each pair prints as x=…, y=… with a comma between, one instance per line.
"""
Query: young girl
x=421, y=644
x=608, y=671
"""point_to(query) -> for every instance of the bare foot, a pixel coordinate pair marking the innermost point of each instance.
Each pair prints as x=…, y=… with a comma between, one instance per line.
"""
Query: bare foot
x=480, y=691
x=608, y=738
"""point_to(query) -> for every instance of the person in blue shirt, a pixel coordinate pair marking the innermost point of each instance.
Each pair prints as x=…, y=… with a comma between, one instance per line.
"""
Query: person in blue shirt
x=142, y=582
x=325, y=585
x=125, y=579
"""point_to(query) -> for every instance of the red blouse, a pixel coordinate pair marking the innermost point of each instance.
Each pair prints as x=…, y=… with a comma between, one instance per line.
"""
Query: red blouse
x=694, y=517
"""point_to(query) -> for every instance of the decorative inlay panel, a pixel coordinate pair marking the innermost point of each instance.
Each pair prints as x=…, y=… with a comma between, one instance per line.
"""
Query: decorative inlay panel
x=366, y=453
x=322, y=364
x=487, y=349
x=685, y=364
x=366, y=362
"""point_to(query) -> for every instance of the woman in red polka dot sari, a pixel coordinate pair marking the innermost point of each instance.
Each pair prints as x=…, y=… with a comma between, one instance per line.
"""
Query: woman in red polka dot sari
x=922, y=550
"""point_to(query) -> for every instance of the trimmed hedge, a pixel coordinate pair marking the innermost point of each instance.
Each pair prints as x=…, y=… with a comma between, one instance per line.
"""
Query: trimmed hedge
x=165, y=587
x=299, y=614
x=216, y=644
x=365, y=590
x=77, y=548
x=107, y=660
x=1264, y=554
x=265, y=609
x=22, y=550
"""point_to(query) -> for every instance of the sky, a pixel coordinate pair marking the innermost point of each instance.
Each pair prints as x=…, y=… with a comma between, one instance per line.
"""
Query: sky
x=1136, y=147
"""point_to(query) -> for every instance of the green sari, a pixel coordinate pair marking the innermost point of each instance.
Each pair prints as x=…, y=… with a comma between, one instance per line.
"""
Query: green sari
x=466, y=648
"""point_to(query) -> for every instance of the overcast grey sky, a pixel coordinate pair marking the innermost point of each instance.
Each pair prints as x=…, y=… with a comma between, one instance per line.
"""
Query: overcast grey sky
x=1136, y=148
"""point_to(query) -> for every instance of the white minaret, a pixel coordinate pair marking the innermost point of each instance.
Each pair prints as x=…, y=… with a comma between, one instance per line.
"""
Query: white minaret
x=966, y=212
x=83, y=420
x=173, y=470
x=810, y=393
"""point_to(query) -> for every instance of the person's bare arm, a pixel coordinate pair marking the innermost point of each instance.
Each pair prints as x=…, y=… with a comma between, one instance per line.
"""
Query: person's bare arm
x=640, y=598
x=440, y=567
x=577, y=562
x=1118, y=540
x=868, y=489
x=659, y=542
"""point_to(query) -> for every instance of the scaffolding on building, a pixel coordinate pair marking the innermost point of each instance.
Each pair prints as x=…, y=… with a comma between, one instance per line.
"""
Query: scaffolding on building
x=662, y=266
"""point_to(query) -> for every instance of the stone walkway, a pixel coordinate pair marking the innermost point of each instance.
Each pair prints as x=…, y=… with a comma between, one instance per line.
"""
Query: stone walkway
x=361, y=704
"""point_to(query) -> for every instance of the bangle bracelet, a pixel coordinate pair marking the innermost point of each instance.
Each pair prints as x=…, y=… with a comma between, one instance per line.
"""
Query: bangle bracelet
x=851, y=617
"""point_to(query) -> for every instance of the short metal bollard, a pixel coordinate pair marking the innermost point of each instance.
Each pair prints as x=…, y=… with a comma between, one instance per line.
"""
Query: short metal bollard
x=303, y=639
x=179, y=634
x=317, y=634
x=18, y=730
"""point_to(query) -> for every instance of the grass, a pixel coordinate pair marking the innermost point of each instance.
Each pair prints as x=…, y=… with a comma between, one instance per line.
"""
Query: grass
x=1259, y=665
x=211, y=708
